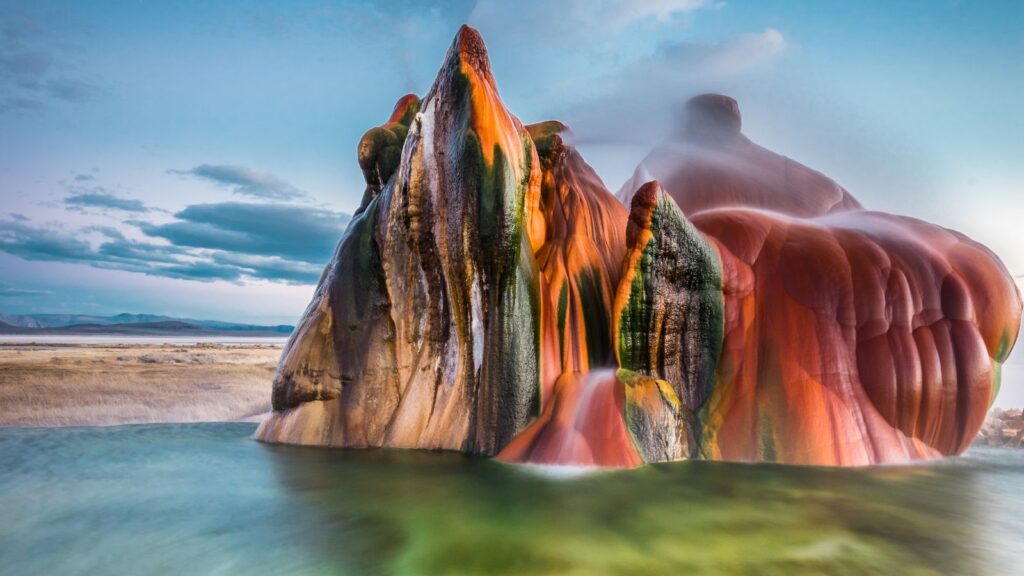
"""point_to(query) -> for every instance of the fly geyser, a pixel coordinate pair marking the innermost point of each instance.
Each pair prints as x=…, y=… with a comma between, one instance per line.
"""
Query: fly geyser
x=492, y=296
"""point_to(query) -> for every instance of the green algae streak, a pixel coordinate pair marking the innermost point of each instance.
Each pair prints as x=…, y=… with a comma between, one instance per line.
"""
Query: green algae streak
x=203, y=499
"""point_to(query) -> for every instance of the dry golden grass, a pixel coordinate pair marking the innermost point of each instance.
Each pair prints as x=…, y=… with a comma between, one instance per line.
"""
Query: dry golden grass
x=101, y=385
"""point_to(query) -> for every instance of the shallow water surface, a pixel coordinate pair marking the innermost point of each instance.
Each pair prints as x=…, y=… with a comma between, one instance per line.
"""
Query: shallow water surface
x=206, y=499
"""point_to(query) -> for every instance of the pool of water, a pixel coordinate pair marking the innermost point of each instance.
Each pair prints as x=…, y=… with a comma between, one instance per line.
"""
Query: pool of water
x=206, y=499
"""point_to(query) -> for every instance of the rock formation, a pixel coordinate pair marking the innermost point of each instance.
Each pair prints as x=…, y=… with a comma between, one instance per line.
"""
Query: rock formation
x=1002, y=428
x=492, y=296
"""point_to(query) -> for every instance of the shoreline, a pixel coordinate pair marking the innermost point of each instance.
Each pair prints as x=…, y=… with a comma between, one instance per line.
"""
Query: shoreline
x=111, y=380
x=107, y=384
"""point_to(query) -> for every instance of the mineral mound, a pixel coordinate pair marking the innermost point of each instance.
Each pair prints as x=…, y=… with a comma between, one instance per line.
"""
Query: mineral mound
x=492, y=296
x=1003, y=428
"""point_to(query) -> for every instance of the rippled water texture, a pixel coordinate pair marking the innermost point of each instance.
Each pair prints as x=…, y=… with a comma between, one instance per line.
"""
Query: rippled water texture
x=205, y=499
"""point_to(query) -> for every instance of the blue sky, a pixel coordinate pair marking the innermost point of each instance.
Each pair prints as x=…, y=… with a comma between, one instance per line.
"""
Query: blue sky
x=198, y=158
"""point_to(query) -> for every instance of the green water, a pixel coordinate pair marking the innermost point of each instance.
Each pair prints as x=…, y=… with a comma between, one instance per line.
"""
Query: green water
x=205, y=499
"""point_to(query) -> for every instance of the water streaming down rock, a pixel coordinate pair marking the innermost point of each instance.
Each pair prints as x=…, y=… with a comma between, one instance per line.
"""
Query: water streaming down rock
x=579, y=259
x=581, y=425
x=492, y=296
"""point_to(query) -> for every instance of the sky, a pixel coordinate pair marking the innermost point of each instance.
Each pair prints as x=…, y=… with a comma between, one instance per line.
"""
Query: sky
x=197, y=159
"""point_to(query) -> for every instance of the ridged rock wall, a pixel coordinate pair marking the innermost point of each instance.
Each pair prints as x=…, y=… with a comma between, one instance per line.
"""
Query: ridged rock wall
x=424, y=330
x=492, y=296
x=850, y=336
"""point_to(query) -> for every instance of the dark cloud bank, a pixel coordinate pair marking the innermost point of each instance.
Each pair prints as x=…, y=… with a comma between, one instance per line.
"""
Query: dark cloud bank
x=99, y=198
x=8, y=291
x=34, y=74
x=245, y=181
x=232, y=241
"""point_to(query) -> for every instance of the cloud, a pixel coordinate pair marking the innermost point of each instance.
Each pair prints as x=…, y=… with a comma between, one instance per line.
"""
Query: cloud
x=107, y=231
x=30, y=64
x=98, y=198
x=294, y=271
x=124, y=251
x=533, y=20
x=8, y=291
x=230, y=241
x=282, y=230
x=725, y=59
x=35, y=70
x=203, y=271
x=639, y=102
x=245, y=181
x=20, y=104
x=42, y=243
x=71, y=90
x=627, y=11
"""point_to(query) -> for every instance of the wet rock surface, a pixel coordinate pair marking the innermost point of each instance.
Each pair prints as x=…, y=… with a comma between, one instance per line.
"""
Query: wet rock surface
x=492, y=296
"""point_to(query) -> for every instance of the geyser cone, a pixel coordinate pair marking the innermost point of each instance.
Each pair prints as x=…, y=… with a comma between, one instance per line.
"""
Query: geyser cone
x=669, y=310
x=711, y=164
x=491, y=293
x=433, y=323
x=853, y=326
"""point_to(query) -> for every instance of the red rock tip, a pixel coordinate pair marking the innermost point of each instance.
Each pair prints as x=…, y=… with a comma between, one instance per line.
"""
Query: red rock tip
x=646, y=197
x=402, y=107
x=470, y=47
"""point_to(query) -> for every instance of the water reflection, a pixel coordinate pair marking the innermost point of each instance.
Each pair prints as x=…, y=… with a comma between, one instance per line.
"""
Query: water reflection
x=205, y=499
x=444, y=513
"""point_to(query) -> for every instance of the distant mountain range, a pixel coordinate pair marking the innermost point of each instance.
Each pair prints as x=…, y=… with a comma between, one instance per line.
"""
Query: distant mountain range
x=131, y=324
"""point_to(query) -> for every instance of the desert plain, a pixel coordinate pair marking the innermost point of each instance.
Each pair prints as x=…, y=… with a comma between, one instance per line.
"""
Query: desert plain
x=108, y=384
